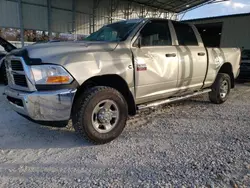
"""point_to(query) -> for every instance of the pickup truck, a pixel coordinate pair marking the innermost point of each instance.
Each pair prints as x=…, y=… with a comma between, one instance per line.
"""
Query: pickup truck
x=122, y=68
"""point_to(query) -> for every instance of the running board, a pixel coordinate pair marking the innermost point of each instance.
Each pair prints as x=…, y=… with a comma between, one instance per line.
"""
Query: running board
x=170, y=100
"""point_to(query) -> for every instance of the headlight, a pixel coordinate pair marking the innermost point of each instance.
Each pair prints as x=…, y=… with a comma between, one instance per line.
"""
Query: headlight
x=50, y=74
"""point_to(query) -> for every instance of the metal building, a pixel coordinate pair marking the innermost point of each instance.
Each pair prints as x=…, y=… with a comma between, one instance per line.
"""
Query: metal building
x=82, y=16
x=225, y=31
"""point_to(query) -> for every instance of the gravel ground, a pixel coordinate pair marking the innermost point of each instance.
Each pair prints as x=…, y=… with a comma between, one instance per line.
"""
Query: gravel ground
x=189, y=144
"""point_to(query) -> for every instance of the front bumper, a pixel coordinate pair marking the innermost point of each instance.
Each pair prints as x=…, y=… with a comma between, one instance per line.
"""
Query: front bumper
x=42, y=105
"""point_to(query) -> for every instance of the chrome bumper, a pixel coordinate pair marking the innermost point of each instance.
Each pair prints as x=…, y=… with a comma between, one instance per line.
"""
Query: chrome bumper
x=42, y=105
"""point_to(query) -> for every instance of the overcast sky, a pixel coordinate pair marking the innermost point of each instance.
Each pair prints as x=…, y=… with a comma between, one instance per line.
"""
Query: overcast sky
x=219, y=9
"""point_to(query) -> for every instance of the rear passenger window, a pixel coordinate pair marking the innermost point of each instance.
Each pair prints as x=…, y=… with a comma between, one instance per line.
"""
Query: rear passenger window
x=185, y=34
x=156, y=33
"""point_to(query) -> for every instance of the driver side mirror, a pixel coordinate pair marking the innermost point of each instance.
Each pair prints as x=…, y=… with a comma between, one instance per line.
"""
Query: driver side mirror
x=137, y=43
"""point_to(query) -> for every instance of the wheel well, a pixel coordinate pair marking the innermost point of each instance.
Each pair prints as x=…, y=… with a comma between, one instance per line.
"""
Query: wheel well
x=227, y=69
x=113, y=81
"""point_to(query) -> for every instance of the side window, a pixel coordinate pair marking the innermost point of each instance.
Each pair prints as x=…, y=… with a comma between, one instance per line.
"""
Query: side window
x=156, y=33
x=185, y=34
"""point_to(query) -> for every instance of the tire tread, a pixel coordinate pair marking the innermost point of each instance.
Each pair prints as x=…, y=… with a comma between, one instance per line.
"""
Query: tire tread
x=80, y=107
x=214, y=94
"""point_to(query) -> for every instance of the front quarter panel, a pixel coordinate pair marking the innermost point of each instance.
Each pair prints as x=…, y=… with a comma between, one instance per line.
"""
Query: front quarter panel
x=83, y=66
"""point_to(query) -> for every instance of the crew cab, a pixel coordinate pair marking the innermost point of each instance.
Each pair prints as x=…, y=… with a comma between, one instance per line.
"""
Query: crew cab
x=120, y=69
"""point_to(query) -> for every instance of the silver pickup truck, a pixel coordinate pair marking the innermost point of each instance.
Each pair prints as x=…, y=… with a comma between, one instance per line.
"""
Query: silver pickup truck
x=123, y=67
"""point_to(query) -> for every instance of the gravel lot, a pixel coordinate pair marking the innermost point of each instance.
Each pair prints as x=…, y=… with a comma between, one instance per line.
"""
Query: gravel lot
x=192, y=143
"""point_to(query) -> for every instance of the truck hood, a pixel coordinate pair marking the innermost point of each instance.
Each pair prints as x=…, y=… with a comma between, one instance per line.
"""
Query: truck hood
x=51, y=50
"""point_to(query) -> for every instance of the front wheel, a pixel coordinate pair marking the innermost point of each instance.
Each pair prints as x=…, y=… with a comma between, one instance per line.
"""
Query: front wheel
x=220, y=89
x=100, y=114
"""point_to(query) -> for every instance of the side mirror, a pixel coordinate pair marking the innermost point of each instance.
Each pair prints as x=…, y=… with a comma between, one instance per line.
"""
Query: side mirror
x=137, y=43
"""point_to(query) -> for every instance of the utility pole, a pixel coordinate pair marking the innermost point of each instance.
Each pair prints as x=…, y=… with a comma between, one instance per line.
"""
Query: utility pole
x=20, y=11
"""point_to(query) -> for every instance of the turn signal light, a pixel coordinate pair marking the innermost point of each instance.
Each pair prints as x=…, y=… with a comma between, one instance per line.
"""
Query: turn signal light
x=58, y=80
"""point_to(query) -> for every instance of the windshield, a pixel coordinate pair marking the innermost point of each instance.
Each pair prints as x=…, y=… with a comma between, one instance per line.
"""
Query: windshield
x=114, y=32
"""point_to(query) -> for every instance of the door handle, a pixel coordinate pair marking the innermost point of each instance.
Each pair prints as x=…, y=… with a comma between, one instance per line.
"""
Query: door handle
x=201, y=54
x=171, y=55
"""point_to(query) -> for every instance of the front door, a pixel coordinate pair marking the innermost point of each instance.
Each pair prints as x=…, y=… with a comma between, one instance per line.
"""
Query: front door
x=156, y=62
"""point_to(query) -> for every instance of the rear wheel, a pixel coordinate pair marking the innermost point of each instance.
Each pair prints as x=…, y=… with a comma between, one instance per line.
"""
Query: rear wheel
x=220, y=89
x=100, y=114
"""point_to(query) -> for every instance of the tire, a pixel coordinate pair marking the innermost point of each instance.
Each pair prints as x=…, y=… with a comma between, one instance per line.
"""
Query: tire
x=220, y=89
x=88, y=118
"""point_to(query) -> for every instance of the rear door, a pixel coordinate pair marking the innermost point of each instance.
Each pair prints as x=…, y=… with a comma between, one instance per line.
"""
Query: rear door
x=192, y=57
x=156, y=62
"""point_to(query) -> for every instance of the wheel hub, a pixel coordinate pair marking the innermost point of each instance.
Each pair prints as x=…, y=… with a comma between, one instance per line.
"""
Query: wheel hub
x=224, y=89
x=104, y=116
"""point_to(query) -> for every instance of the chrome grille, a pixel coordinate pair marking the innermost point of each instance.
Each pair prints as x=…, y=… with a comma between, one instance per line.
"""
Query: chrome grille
x=16, y=65
x=18, y=74
x=20, y=80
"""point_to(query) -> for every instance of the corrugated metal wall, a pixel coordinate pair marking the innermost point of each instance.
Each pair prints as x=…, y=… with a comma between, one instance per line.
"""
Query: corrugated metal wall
x=87, y=17
x=32, y=15
x=9, y=14
x=235, y=30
